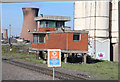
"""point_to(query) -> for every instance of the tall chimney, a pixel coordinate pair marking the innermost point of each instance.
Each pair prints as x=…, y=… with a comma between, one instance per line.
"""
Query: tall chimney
x=9, y=30
x=28, y=23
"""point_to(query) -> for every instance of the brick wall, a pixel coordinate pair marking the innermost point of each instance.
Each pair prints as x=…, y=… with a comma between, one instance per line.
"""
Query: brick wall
x=46, y=29
x=59, y=41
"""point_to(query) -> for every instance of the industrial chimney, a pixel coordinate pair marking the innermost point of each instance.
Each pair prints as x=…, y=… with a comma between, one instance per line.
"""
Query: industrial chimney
x=5, y=33
x=28, y=22
x=9, y=30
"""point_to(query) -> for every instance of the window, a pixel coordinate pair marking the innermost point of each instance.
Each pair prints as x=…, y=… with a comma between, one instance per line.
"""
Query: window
x=42, y=24
x=59, y=24
x=76, y=36
x=41, y=38
x=47, y=25
x=51, y=24
x=35, y=38
x=47, y=36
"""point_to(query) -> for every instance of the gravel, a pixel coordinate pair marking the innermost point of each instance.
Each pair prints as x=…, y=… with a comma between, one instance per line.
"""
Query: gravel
x=12, y=72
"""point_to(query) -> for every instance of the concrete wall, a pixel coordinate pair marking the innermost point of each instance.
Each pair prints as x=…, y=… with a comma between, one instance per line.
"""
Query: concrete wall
x=114, y=21
x=102, y=48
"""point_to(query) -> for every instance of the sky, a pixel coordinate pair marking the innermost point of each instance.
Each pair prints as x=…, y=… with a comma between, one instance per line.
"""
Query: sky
x=12, y=13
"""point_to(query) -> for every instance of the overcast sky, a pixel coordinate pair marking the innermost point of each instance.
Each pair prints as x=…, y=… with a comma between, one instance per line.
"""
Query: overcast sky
x=12, y=13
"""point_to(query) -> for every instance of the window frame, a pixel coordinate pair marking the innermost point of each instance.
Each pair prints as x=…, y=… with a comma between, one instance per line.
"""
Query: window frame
x=39, y=38
x=77, y=34
x=35, y=35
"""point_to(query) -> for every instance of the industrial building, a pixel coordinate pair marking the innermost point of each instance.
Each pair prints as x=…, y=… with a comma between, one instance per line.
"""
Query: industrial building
x=100, y=18
x=51, y=33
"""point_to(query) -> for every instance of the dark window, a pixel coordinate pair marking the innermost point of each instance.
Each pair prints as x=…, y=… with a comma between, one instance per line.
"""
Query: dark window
x=47, y=25
x=76, y=36
x=59, y=24
x=51, y=24
x=41, y=38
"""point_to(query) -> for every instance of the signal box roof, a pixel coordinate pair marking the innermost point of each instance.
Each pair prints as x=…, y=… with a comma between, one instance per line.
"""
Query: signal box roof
x=70, y=31
x=55, y=18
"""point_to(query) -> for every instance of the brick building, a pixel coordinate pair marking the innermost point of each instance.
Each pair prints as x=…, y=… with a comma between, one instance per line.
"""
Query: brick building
x=51, y=33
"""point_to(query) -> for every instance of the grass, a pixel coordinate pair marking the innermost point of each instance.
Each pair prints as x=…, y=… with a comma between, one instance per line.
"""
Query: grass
x=106, y=69
x=103, y=69
x=15, y=53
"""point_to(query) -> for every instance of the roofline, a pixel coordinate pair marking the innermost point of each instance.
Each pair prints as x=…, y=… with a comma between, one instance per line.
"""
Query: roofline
x=54, y=18
x=70, y=31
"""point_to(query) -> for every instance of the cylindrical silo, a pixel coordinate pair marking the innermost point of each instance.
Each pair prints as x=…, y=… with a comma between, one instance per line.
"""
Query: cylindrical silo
x=79, y=15
x=5, y=33
x=28, y=22
x=98, y=20
x=92, y=16
x=114, y=21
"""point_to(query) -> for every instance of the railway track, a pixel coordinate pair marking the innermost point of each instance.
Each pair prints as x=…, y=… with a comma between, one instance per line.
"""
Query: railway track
x=60, y=75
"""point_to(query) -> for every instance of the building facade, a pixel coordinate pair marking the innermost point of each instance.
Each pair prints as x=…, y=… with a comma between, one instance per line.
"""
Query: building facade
x=100, y=18
x=51, y=33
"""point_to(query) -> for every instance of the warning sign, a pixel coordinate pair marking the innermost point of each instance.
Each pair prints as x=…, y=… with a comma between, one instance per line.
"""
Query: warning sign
x=54, y=58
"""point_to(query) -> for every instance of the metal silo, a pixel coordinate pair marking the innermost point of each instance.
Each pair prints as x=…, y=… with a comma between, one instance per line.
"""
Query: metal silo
x=28, y=22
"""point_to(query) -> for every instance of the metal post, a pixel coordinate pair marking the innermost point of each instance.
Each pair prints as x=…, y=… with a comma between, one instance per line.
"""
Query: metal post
x=53, y=72
x=85, y=58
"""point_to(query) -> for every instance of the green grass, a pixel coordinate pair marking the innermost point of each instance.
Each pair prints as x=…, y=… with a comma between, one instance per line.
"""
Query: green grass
x=103, y=69
x=106, y=69
x=15, y=53
x=24, y=56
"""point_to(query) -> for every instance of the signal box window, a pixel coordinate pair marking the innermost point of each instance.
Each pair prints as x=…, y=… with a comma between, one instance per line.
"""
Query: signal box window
x=35, y=38
x=76, y=36
x=41, y=38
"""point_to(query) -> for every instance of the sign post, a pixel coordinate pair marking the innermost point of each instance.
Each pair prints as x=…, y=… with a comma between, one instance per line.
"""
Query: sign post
x=53, y=73
x=54, y=59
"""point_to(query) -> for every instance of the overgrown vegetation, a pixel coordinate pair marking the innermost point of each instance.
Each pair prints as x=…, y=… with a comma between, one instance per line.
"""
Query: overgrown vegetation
x=20, y=52
x=105, y=69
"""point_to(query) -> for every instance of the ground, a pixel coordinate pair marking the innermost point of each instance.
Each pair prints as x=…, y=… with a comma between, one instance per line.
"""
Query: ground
x=12, y=72
x=100, y=69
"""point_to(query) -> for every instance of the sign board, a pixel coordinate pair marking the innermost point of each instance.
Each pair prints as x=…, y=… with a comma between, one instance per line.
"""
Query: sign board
x=54, y=58
x=100, y=55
